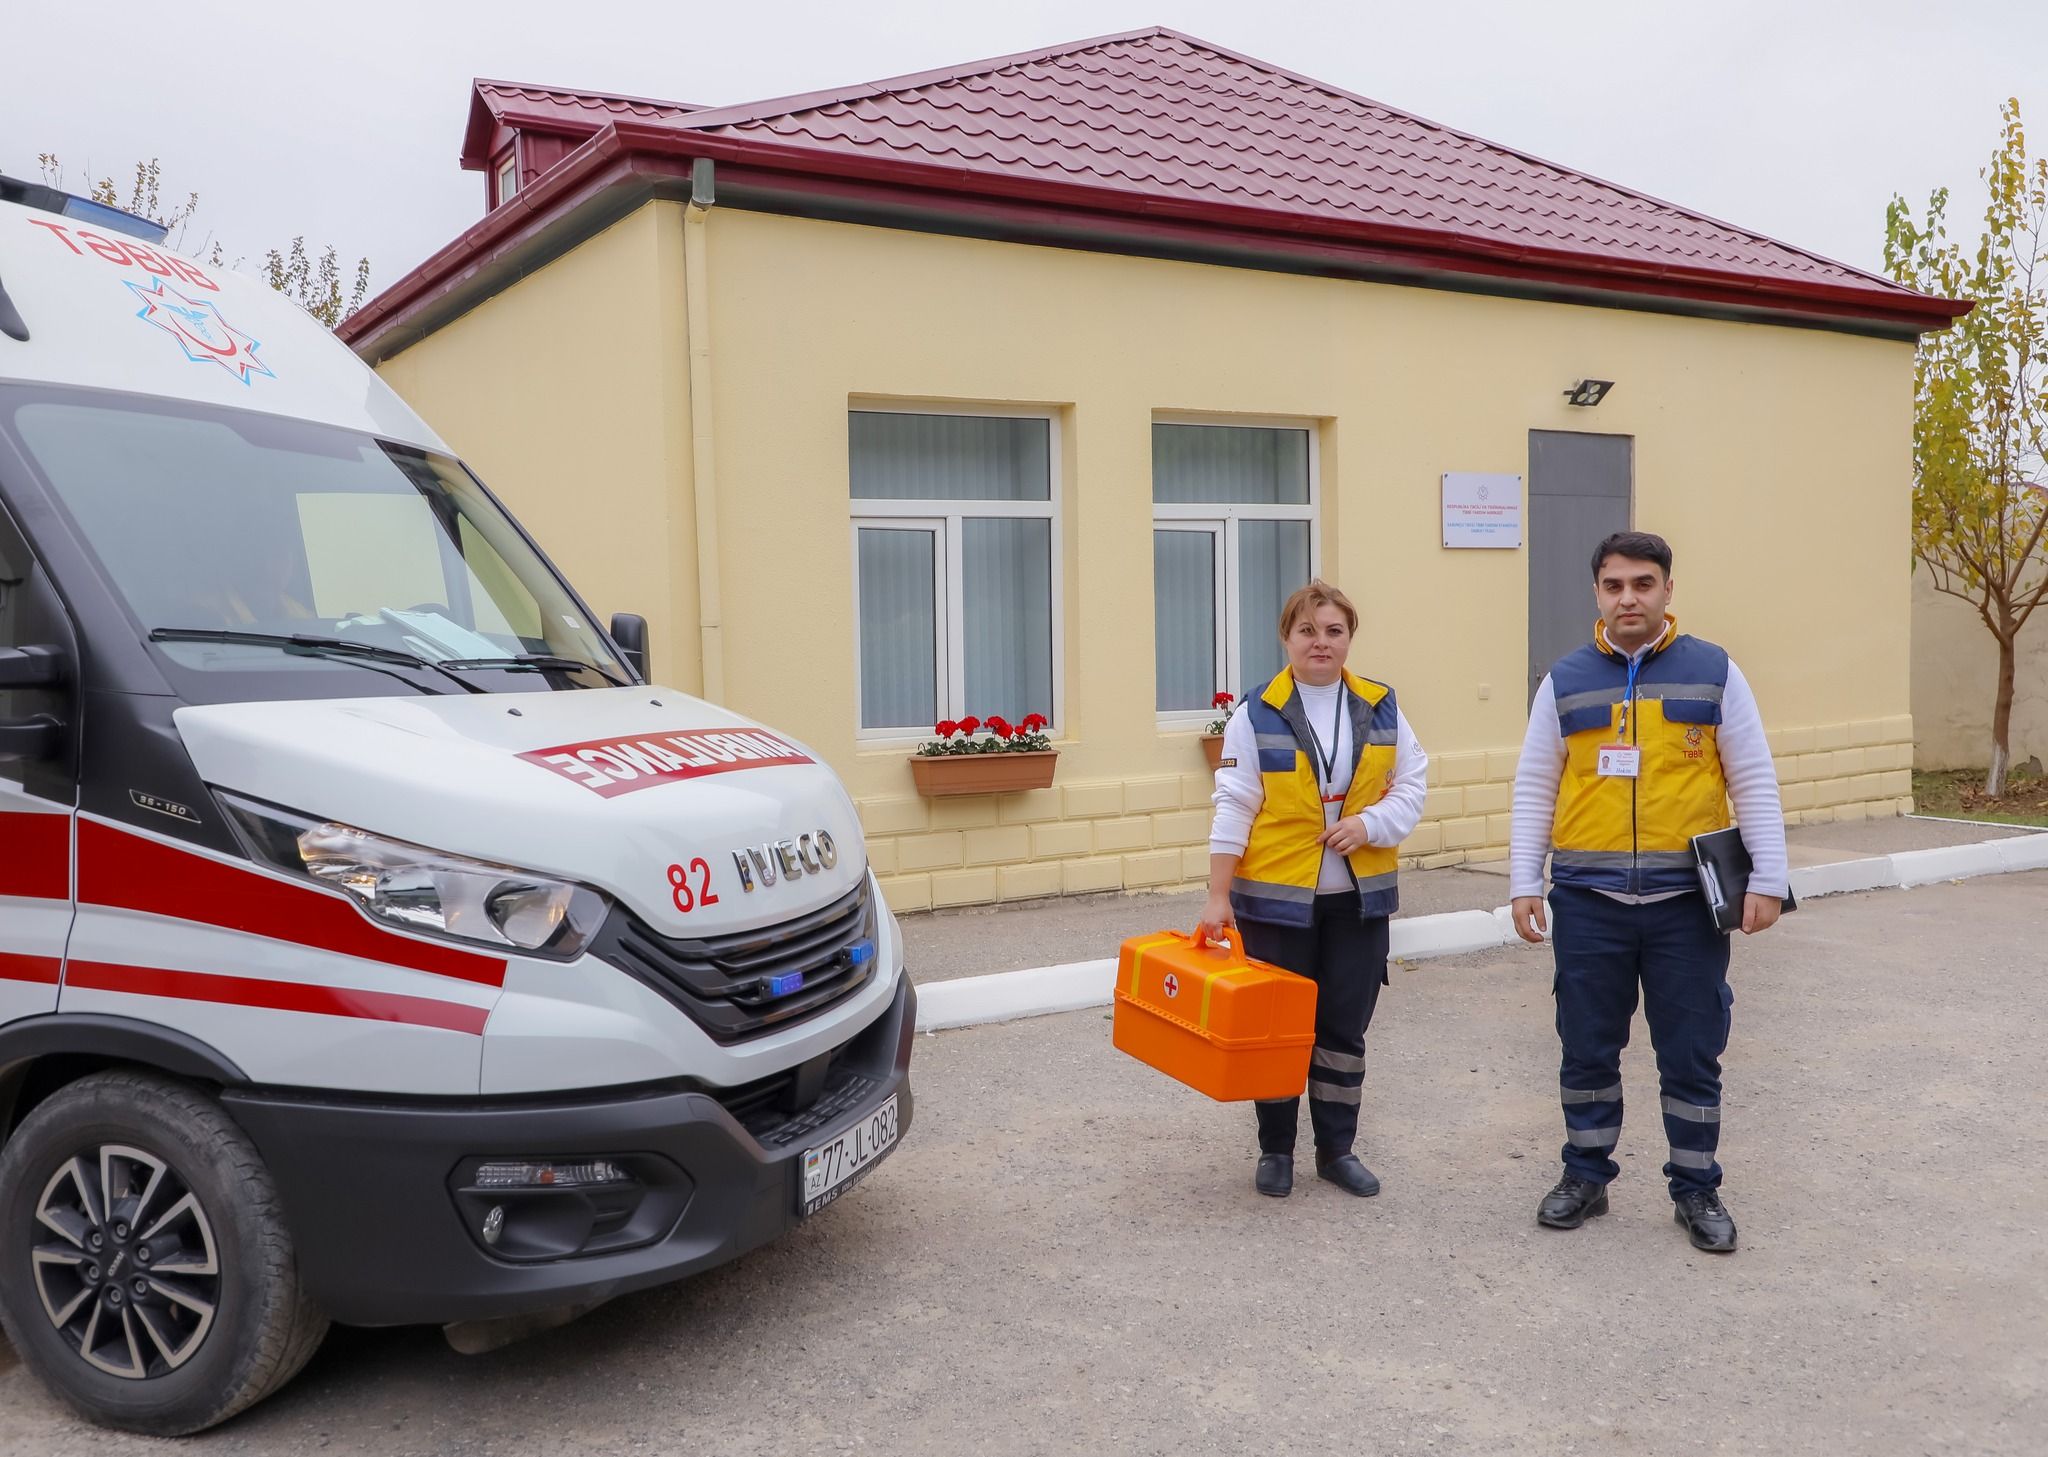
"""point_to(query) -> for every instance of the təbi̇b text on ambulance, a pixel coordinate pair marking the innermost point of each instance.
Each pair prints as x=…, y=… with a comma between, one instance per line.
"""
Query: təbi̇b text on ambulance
x=376, y=945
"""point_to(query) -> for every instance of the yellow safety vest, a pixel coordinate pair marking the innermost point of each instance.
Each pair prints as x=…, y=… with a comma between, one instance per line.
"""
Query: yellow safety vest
x=1632, y=835
x=1277, y=877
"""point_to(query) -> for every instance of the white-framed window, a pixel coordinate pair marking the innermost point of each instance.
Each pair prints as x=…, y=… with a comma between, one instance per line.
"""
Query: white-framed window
x=956, y=565
x=508, y=176
x=1234, y=532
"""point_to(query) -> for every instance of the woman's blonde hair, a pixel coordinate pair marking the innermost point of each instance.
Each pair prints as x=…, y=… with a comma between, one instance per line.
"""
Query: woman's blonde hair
x=1317, y=593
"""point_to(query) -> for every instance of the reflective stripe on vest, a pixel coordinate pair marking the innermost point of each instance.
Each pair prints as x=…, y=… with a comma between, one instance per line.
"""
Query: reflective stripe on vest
x=1631, y=835
x=1282, y=862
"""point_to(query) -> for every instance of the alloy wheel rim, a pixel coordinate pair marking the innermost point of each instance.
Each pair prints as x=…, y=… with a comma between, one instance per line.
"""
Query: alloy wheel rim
x=131, y=1279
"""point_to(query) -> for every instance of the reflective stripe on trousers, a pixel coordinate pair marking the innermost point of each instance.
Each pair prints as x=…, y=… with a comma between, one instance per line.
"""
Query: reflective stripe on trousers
x=1669, y=954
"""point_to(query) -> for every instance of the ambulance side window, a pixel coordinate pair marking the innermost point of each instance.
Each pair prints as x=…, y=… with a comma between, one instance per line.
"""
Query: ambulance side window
x=24, y=619
x=14, y=570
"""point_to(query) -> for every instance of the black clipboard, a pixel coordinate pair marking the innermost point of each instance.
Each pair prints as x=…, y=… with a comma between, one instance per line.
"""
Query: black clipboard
x=1724, y=867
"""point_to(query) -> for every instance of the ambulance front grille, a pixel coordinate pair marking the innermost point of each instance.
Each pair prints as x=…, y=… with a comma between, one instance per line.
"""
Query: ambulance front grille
x=762, y=1108
x=728, y=984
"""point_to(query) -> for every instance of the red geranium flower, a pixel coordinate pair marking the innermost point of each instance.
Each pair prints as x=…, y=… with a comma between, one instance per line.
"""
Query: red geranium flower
x=970, y=725
x=1223, y=700
x=1034, y=721
x=945, y=728
x=999, y=725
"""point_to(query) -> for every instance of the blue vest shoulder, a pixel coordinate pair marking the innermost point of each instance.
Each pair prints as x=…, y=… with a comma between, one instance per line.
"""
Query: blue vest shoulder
x=1687, y=677
x=1689, y=660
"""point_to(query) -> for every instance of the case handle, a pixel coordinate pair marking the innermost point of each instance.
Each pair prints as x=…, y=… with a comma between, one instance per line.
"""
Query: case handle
x=1231, y=941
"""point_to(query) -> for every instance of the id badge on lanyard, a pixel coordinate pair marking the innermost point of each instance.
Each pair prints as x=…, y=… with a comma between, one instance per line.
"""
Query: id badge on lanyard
x=1326, y=765
x=1622, y=760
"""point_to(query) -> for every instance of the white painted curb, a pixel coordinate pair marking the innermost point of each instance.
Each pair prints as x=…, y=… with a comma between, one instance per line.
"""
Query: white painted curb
x=1450, y=934
x=1007, y=996
x=1004, y=996
x=1950, y=862
x=1814, y=881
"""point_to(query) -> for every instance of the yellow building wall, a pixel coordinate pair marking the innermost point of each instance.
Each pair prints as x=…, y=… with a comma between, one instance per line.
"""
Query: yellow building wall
x=568, y=394
x=1776, y=460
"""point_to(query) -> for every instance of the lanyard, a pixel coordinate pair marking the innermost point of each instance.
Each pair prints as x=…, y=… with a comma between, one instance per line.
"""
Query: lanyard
x=1628, y=701
x=1326, y=764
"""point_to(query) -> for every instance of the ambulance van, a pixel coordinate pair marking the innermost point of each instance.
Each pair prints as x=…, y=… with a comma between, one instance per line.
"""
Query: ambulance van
x=377, y=944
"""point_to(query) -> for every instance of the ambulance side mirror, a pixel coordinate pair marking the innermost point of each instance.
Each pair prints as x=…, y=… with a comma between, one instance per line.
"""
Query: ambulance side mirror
x=40, y=735
x=629, y=632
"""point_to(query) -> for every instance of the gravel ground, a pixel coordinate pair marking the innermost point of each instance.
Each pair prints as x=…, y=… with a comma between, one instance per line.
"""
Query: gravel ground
x=1066, y=1256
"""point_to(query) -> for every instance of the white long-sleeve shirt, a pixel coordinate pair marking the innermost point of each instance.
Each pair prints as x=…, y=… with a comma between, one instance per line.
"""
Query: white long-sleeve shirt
x=1240, y=791
x=1745, y=763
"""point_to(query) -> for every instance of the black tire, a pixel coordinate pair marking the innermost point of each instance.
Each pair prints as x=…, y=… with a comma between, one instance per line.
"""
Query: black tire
x=119, y=1127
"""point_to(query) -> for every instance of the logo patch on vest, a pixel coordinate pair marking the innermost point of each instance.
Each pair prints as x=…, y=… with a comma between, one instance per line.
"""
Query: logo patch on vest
x=1694, y=737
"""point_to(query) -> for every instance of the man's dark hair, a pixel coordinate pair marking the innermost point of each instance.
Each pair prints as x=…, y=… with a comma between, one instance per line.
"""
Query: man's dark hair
x=1637, y=546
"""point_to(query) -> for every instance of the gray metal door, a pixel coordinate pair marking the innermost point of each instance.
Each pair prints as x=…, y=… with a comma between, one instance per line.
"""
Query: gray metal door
x=1580, y=489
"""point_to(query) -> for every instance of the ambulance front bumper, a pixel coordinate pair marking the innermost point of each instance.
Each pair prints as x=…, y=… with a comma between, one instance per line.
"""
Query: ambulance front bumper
x=391, y=1228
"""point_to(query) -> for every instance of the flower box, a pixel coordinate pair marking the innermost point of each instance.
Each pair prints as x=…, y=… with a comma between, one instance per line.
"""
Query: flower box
x=1004, y=773
x=959, y=760
x=1212, y=737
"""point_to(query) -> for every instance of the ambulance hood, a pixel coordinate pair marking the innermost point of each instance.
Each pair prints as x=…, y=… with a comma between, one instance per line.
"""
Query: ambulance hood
x=643, y=793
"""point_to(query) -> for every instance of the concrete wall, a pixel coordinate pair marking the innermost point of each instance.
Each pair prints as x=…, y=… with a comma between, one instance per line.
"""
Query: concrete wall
x=1752, y=442
x=1955, y=683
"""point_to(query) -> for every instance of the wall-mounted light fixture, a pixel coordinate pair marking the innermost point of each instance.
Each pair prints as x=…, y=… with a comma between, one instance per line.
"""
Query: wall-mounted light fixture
x=1589, y=392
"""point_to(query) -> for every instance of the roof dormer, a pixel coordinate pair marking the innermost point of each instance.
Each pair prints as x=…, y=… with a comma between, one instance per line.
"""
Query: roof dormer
x=517, y=132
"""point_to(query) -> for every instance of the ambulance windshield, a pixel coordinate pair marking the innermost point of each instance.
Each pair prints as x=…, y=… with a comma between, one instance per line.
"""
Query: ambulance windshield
x=231, y=534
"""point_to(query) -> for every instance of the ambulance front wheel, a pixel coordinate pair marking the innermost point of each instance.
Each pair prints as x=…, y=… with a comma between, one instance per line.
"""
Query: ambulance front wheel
x=146, y=1274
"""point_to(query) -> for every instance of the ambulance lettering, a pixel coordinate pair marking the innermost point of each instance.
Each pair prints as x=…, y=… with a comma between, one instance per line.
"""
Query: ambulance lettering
x=619, y=766
x=127, y=254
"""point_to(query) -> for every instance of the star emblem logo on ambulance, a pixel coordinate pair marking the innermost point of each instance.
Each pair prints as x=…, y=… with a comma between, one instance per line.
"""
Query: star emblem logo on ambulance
x=200, y=330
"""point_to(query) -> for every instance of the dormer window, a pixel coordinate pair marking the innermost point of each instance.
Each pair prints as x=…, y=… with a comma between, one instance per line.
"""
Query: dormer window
x=507, y=173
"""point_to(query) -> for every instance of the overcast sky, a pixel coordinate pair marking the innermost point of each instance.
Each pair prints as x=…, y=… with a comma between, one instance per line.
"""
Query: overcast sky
x=1797, y=118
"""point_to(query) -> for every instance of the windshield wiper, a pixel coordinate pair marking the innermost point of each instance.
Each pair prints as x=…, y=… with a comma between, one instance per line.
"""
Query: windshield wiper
x=534, y=661
x=314, y=643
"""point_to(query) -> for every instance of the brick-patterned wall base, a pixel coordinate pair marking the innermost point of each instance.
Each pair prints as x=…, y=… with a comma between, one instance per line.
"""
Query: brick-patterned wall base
x=1152, y=832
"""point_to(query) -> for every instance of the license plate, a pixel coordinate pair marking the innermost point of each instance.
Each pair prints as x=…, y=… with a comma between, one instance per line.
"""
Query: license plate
x=833, y=1169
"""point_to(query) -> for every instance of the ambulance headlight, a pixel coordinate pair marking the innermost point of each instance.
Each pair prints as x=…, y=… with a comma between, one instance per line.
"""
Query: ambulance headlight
x=421, y=889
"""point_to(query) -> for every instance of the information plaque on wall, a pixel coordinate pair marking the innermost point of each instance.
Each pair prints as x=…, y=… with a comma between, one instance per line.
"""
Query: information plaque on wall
x=1482, y=510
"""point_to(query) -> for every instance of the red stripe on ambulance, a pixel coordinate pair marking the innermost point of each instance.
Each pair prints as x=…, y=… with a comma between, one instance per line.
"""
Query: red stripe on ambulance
x=35, y=856
x=133, y=873
x=41, y=970
x=279, y=996
x=619, y=766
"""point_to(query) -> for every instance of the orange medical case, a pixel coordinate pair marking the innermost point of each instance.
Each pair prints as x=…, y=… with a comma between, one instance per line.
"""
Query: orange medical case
x=1224, y=1025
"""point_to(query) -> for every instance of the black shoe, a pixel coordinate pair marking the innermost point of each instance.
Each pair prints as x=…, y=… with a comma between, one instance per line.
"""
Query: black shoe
x=1572, y=1203
x=1348, y=1174
x=1707, y=1220
x=1275, y=1175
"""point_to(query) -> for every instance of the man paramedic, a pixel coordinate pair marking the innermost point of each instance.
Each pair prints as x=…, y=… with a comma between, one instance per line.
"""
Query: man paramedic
x=1636, y=743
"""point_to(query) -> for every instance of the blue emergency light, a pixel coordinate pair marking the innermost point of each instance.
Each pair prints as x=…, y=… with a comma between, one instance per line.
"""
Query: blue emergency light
x=82, y=209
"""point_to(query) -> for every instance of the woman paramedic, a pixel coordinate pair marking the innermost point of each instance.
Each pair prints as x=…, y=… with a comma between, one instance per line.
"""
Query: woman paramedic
x=1321, y=778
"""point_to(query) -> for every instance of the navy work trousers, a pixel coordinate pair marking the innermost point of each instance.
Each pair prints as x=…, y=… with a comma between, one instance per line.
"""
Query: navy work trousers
x=1605, y=949
x=1346, y=957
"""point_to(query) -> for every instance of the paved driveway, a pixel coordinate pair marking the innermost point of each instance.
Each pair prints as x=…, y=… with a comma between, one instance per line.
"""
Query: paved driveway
x=1067, y=1257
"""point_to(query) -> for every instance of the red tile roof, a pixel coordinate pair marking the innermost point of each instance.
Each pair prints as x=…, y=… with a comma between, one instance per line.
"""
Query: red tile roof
x=1154, y=137
x=1157, y=115
x=552, y=109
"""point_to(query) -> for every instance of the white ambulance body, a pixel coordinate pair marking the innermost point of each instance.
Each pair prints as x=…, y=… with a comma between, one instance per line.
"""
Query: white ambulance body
x=375, y=945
